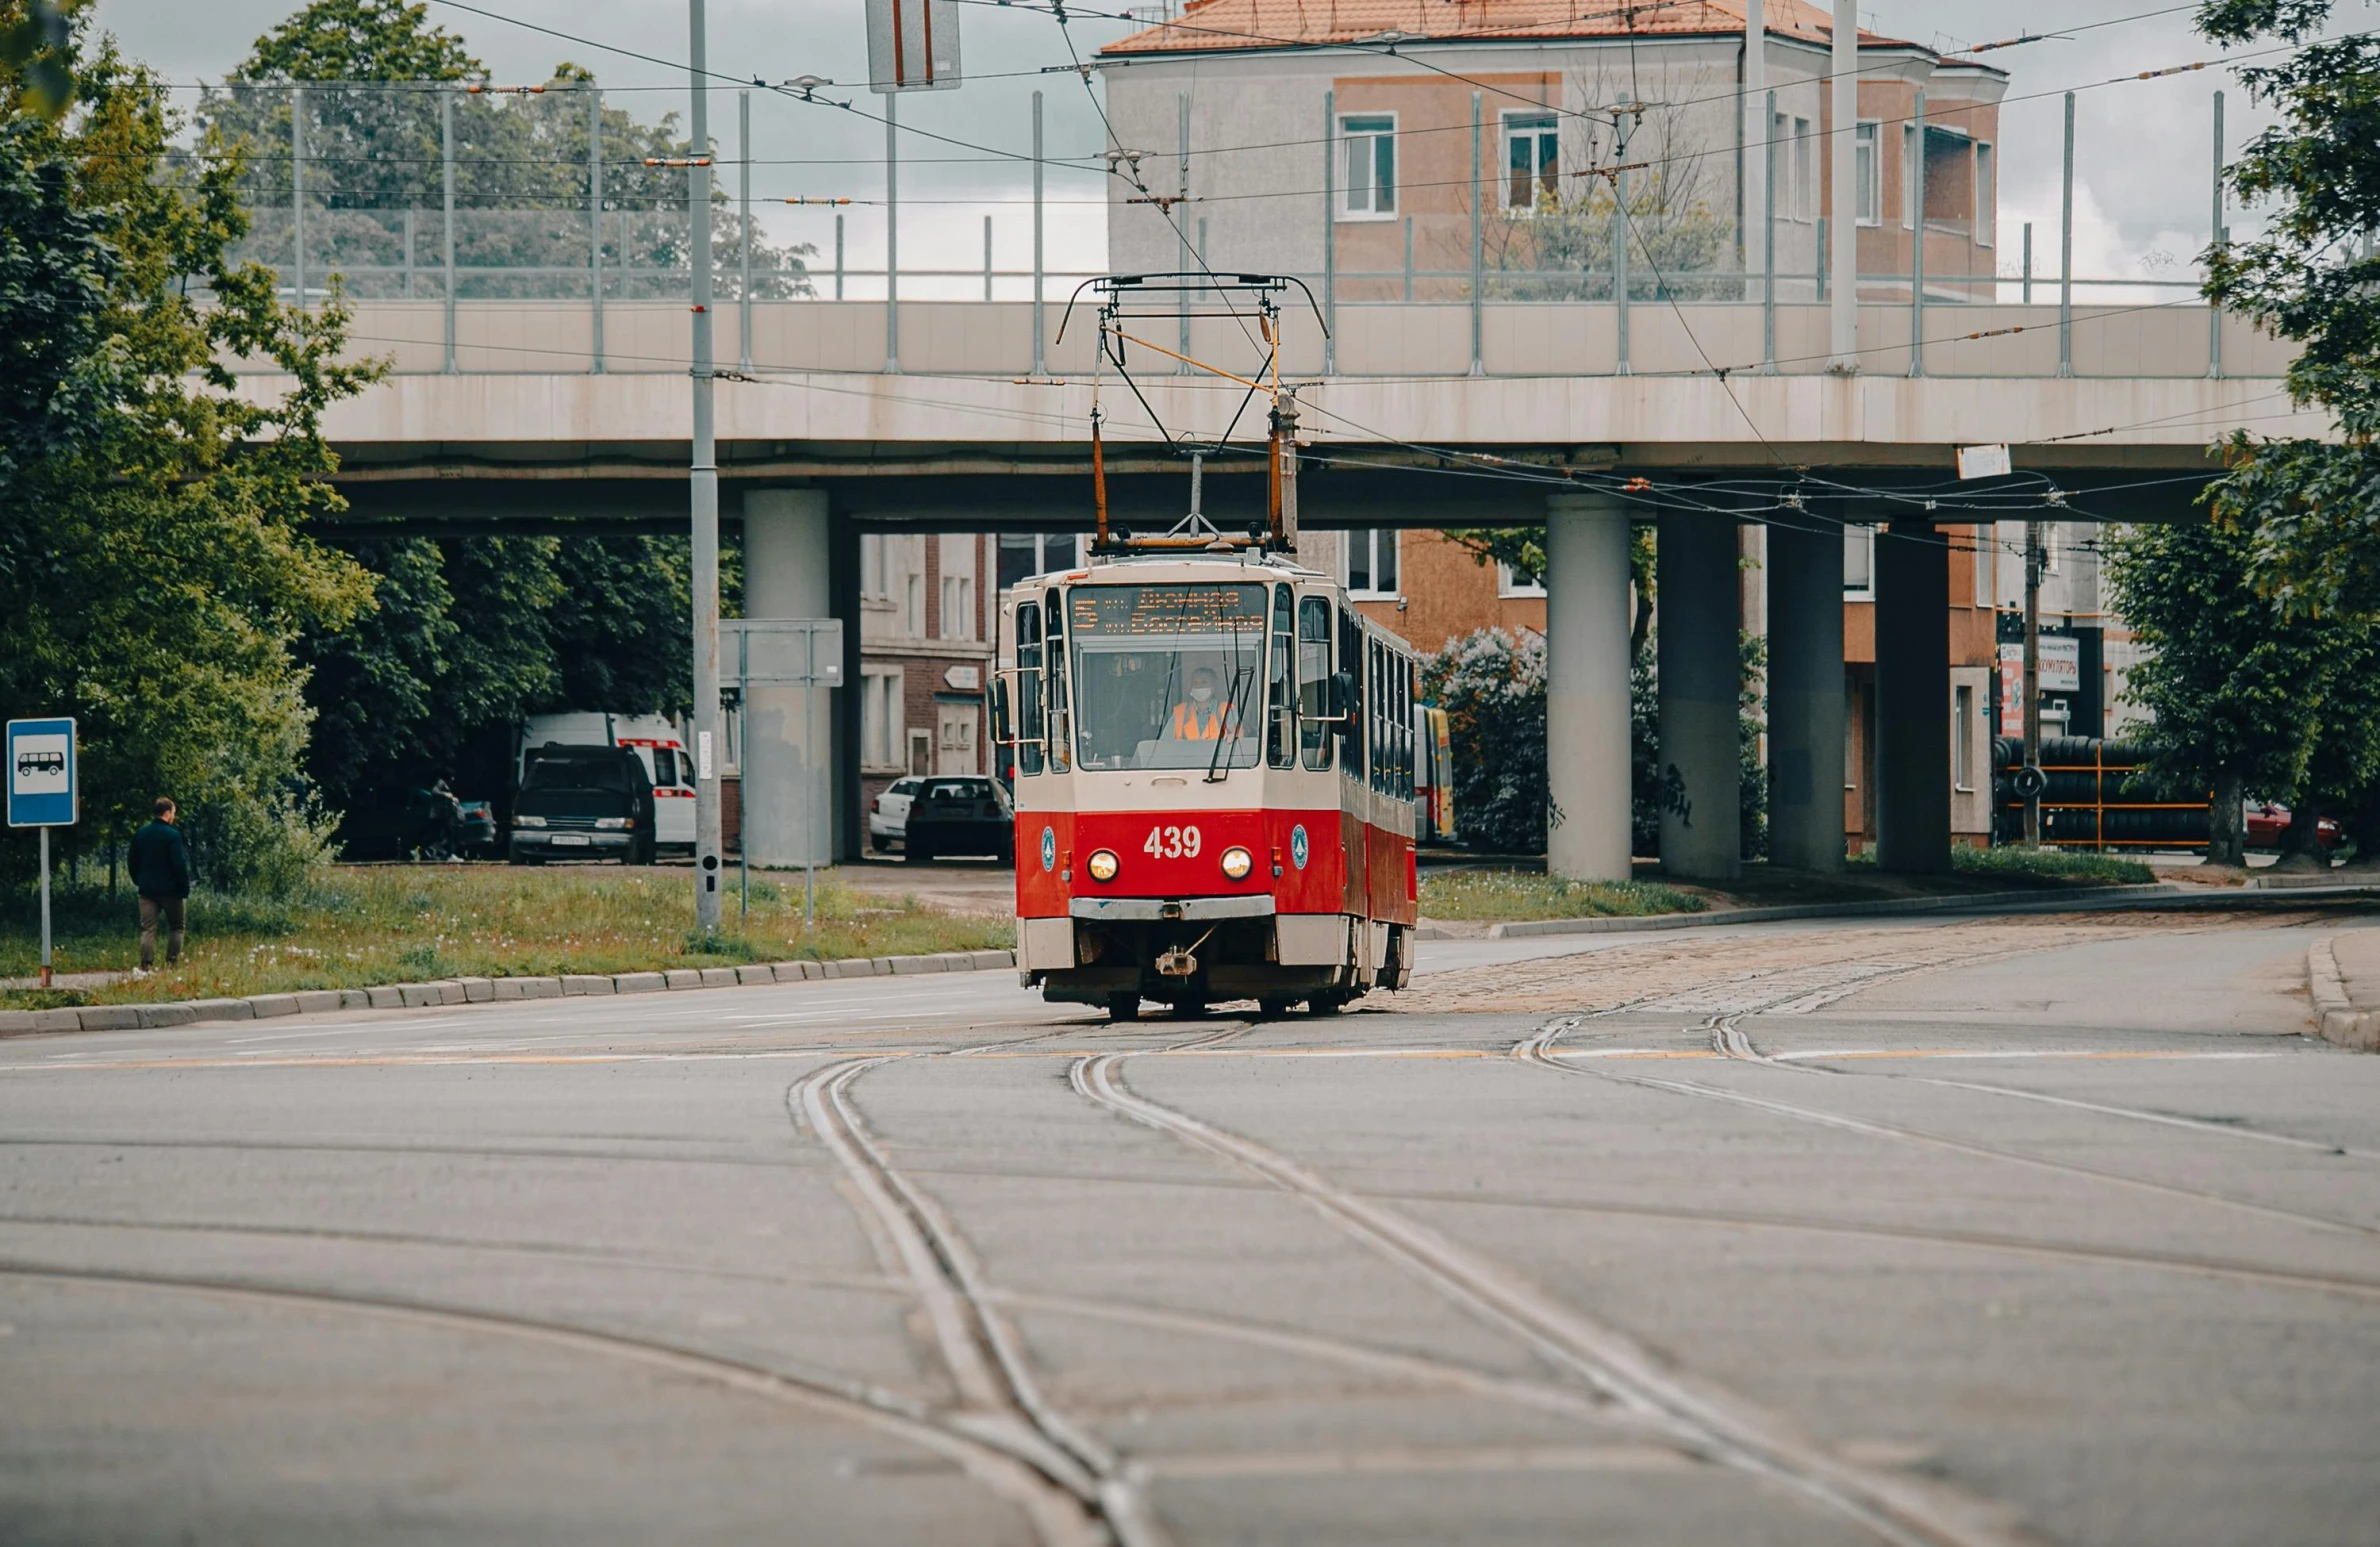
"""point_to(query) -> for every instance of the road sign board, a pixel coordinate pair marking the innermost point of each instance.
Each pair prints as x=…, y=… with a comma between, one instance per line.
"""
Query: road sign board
x=41, y=773
x=913, y=45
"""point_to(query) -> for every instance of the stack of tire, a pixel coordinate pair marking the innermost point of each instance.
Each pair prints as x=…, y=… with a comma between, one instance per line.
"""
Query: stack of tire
x=2085, y=774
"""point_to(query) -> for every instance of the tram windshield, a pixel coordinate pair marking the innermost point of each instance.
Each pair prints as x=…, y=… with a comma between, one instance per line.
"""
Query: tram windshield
x=1167, y=676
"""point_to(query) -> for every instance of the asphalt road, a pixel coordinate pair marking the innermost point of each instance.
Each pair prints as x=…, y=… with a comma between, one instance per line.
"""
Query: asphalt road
x=1955, y=1232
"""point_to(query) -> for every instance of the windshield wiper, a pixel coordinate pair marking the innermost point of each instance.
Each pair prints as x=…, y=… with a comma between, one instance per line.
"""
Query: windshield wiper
x=1233, y=714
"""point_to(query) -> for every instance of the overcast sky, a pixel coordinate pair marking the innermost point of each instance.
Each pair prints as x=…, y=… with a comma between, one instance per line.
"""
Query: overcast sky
x=2144, y=148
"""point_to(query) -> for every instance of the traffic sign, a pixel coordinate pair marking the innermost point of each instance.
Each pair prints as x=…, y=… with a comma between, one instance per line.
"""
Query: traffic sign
x=42, y=788
x=913, y=45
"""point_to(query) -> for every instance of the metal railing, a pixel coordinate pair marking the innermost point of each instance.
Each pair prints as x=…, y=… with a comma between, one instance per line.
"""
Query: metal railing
x=449, y=193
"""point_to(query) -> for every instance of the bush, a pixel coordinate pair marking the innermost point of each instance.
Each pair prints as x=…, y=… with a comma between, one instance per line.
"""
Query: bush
x=1492, y=688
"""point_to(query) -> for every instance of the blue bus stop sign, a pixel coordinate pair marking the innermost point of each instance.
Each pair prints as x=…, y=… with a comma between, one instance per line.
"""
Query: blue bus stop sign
x=41, y=773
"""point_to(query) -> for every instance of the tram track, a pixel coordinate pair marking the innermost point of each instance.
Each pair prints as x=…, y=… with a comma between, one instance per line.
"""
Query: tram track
x=1000, y=1402
x=1540, y=1051
x=1692, y=1414
x=1730, y=1040
x=1053, y=1512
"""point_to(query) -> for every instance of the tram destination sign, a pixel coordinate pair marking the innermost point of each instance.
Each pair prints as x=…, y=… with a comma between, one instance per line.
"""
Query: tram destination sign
x=1167, y=609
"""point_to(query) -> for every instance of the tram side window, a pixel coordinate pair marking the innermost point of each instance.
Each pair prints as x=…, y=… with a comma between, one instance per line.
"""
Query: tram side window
x=1060, y=723
x=1402, y=728
x=1280, y=693
x=1313, y=679
x=1032, y=723
x=1384, y=751
x=1352, y=659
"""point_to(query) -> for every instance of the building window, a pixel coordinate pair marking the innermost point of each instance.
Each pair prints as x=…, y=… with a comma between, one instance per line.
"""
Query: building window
x=871, y=567
x=1779, y=150
x=1859, y=562
x=1805, y=173
x=1514, y=582
x=1867, y=183
x=1532, y=161
x=1025, y=554
x=1987, y=566
x=914, y=615
x=1910, y=177
x=881, y=730
x=958, y=607
x=1368, y=161
x=1987, y=197
x=1371, y=568
x=1962, y=740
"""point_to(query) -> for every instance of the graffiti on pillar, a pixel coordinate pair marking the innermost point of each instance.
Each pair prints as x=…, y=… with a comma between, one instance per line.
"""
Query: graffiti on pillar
x=1674, y=799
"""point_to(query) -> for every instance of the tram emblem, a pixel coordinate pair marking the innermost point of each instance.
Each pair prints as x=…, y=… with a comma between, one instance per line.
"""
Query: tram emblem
x=1297, y=845
x=1049, y=850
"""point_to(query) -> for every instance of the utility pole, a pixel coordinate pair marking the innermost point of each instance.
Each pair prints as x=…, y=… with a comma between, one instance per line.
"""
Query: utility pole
x=2030, y=780
x=703, y=487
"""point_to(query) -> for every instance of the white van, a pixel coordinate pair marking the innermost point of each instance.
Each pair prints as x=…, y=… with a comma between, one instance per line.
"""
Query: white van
x=657, y=741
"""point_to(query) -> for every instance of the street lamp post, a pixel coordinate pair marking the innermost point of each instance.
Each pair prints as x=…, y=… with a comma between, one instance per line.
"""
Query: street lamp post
x=703, y=487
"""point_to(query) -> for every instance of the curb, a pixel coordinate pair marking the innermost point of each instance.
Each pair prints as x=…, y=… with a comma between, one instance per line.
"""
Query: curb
x=450, y=991
x=2334, y=1012
x=1980, y=902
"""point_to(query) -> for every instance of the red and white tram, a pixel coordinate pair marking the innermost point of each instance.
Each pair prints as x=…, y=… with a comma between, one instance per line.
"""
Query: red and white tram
x=1215, y=761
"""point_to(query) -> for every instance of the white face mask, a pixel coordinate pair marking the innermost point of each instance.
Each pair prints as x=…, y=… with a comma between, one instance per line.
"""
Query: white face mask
x=1201, y=695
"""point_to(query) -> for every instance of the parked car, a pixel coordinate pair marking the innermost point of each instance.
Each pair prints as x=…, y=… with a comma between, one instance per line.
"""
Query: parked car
x=969, y=816
x=583, y=803
x=475, y=828
x=657, y=744
x=2269, y=819
x=888, y=813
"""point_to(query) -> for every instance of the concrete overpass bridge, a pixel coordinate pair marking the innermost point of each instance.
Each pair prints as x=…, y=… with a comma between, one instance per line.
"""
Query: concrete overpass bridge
x=833, y=417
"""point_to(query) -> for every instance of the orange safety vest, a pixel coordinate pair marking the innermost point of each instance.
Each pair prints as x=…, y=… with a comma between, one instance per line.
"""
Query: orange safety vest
x=1188, y=725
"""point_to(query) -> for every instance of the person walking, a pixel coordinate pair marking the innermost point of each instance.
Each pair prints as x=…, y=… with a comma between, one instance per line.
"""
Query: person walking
x=160, y=865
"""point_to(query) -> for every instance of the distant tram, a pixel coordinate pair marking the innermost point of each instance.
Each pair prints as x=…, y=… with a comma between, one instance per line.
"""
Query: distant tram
x=1215, y=761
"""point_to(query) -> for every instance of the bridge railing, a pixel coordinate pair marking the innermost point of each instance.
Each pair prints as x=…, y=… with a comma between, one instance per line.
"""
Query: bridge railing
x=480, y=229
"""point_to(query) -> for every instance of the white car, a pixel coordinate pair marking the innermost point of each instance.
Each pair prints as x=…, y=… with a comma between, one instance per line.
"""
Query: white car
x=888, y=814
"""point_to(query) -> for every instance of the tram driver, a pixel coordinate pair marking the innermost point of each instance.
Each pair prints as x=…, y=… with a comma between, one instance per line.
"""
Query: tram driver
x=1199, y=717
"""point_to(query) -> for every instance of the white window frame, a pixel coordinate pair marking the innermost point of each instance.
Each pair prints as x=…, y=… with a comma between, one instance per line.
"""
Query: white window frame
x=884, y=711
x=1780, y=131
x=1379, y=130
x=1987, y=195
x=1805, y=172
x=1862, y=540
x=1867, y=141
x=1535, y=128
x=1912, y=170
x=1372, y=535
x=913, y=616
x=1509, y=583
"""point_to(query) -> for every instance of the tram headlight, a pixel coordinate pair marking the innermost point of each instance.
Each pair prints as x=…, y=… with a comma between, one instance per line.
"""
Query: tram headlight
x=1237, y=862
x=1102, y=864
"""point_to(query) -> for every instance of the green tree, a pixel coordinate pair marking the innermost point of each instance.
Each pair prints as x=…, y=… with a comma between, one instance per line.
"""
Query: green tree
x=1492, y=688
x=2246, y=700
x=157, y=571
x=2311, y=277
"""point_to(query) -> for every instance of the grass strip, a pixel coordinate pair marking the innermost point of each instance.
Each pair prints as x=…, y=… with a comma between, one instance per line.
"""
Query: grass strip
x=1495, y=896
x=2039, y=865
x=363, y=925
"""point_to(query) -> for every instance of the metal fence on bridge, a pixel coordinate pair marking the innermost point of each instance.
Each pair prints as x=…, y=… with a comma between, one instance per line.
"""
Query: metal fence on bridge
x=480, y=214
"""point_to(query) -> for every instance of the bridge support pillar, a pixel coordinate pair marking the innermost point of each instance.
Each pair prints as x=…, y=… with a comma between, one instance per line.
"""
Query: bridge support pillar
x=1805, y=698
x=788, y=739
x=1912, y=699
x=1701, y=669
x=1586, y=701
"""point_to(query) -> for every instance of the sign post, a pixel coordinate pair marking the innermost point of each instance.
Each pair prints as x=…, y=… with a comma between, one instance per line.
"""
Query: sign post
x=42, y=793
x=785, y=652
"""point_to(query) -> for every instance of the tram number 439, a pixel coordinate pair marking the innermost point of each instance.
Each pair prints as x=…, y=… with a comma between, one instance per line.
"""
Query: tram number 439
x=1172, y=843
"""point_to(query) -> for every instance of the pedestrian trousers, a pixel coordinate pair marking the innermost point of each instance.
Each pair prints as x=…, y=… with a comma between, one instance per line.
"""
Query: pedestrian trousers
x=150, y=908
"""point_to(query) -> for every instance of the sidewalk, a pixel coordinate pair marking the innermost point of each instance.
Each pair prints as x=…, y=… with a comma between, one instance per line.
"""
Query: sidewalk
x=2343, y=972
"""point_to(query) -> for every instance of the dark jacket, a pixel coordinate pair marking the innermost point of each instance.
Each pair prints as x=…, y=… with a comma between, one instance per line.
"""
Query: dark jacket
x=159, y=861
